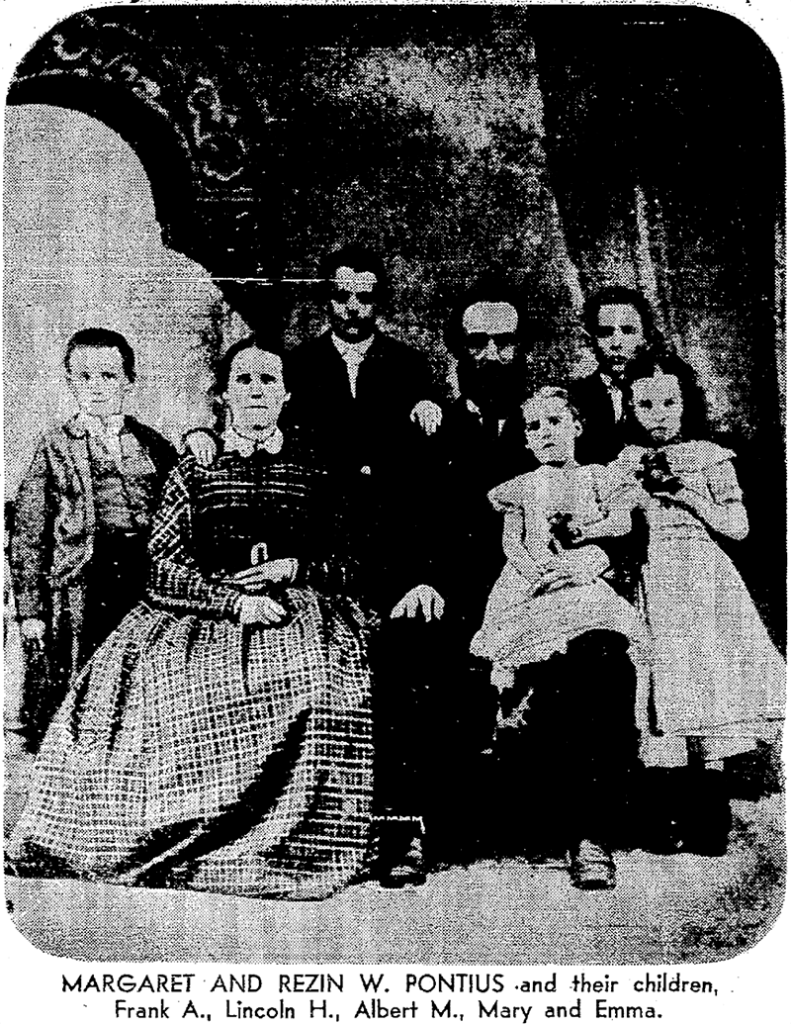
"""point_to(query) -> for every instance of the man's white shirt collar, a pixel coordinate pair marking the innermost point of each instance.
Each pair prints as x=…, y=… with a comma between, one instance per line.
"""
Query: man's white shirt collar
x=354, y=351
x=97, y=427
x=352, y=355
x=108, y=431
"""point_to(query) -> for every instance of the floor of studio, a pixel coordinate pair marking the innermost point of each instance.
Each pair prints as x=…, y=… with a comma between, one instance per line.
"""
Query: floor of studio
x=665, y=909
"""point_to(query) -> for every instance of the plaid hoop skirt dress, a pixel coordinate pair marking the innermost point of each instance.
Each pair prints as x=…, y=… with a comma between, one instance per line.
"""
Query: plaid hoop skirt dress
x=194, y=751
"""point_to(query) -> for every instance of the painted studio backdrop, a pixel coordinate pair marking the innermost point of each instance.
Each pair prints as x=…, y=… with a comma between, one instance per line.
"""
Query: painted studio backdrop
x=176, y=174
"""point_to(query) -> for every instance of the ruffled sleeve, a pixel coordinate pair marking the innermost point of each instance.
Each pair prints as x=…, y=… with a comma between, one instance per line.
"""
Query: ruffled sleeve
x=697, y=456
x=706, y=468
x=723, y=483
x=617, y=482
x=511, y=495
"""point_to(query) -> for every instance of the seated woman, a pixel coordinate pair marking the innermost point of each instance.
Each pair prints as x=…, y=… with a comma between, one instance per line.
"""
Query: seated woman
x=220, y=738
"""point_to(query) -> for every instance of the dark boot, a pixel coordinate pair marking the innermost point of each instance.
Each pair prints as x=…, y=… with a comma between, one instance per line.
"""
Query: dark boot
x=398, y=853
x=591, y=866
x=708, y=819
x=686, y=810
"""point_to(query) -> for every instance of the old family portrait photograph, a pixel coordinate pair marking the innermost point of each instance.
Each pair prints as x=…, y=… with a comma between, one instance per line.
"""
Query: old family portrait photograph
x=394, y=473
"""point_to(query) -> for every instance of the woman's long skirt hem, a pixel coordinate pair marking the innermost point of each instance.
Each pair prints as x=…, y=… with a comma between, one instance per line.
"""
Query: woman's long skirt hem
x=213, y=756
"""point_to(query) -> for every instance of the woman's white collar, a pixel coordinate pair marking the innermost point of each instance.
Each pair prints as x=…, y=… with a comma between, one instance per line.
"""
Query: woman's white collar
x=233, y=441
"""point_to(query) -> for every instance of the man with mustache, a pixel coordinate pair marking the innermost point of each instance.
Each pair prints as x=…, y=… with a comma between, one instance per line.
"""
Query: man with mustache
x=479, y=444
x=482, y=431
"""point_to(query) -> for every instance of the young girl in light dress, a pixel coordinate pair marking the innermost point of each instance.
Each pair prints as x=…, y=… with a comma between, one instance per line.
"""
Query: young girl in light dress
x=716, y=681
x=557, y=636
x=552, y=589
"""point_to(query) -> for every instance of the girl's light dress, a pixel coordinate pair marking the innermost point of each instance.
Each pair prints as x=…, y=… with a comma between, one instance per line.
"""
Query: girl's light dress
x=521, y=626
x=715, y=674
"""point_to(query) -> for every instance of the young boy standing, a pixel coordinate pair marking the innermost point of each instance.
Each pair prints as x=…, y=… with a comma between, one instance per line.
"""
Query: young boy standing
x=78, y=550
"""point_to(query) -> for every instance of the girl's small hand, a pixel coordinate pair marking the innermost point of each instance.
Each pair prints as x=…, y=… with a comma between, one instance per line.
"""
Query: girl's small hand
x=564, y=530
x=578, y=532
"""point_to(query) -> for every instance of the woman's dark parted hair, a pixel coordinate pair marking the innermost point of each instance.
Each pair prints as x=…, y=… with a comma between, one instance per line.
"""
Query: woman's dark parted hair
x=488, y=289
x=617, y=295
x=223, y=370
x=695, y=425
x=100, y=337
x=361, y=259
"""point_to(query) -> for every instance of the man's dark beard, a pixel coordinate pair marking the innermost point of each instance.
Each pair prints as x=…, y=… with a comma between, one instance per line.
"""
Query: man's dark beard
x=494, y=387
x=366, y=326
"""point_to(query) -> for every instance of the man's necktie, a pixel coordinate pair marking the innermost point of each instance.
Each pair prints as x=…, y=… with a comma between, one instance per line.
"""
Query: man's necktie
x=353, y=357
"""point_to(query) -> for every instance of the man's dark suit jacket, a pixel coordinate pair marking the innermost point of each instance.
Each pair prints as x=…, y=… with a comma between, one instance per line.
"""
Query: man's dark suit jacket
x=366, y=430
x=375, y=453
x=475, y=456
x=602, y=437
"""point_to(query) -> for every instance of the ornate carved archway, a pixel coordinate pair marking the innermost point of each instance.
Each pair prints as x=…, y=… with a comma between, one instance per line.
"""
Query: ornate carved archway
x=193, y=135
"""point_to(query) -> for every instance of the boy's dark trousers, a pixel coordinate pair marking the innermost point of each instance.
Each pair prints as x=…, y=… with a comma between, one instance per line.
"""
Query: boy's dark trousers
x=113, y=583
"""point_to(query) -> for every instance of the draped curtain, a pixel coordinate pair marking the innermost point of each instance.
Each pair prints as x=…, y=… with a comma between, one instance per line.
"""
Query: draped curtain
x=434, y=154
